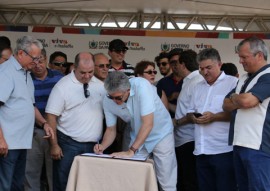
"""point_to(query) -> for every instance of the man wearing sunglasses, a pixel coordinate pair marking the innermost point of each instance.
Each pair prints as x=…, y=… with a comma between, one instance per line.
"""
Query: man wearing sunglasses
x=172, y=84
x=135, y=101
x=58, y=61
x=117, y=52
x=163, y=64
x=102, y=66
x=17, y=112
x=74, y=110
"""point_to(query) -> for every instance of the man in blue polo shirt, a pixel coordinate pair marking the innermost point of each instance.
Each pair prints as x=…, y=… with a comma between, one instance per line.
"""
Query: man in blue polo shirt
x=136, y=101
x=172, y=84
x=17, y=113
x=44, y=80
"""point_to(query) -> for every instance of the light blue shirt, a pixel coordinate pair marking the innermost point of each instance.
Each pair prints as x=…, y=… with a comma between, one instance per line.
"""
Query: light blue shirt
x=143, y=100
x=17, y=114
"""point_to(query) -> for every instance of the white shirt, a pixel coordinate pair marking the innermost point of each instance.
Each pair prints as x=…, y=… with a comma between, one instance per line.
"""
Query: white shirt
x=78, y=117
x=212, y=138
x=185, y=133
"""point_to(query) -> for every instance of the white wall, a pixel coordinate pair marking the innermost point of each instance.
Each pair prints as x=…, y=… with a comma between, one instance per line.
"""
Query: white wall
x=141, y=47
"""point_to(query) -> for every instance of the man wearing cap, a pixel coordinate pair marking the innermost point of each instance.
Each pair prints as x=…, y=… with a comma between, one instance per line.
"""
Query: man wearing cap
x=5, y=49
x=117, y=52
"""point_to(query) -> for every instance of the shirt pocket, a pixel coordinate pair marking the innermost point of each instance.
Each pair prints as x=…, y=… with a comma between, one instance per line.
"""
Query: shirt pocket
x=216, y=103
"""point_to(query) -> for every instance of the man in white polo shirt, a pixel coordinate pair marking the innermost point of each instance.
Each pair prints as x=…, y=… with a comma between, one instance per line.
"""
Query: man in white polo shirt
x=74, y=109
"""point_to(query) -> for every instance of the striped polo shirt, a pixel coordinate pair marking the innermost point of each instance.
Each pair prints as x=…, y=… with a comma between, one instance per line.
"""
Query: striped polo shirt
x=44, y=87
x=128, y=69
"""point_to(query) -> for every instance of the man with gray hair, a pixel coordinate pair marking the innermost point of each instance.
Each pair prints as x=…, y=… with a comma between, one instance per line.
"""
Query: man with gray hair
x=17, y=113
x=250, y=124
x=102, y=66
x=135, y=101
x=74, y=110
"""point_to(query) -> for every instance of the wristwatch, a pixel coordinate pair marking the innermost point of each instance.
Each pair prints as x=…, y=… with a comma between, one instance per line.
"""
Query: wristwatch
x=133, y=149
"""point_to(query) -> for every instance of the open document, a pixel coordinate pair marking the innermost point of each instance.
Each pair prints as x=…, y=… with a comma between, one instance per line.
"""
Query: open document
x=137, y=157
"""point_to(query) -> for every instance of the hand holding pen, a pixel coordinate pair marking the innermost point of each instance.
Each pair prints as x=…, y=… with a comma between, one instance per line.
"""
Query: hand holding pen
x=98, y=148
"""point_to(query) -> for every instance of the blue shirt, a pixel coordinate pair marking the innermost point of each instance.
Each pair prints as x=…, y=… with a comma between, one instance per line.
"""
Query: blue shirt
x=44, y=87
x=169, y=86
x=17, y=114
x=143, y=100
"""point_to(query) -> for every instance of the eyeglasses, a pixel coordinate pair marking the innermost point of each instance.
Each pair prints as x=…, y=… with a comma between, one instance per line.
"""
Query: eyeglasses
x=85, y=90
x=42, y=60
x=119, y=51
x=103, y=65
x=34, y=59
x=150, y=72
x=162, y=63
x=117, y=98
x=62, y=64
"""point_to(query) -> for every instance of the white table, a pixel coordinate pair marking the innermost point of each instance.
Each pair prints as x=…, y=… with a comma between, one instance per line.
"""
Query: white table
x=107, y=174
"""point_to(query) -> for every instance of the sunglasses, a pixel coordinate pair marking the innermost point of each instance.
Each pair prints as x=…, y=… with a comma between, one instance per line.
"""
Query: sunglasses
x=63, y=64
x=151, y=72
x=117, y=98
x=162, y=63
x=119, y=51
x=103, y=65
x=85, y=90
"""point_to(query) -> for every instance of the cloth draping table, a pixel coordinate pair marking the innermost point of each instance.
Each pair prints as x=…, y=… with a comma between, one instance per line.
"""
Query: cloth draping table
x=107, y=174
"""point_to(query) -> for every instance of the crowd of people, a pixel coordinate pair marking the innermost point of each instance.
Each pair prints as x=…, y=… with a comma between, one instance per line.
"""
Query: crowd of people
x=205, y=127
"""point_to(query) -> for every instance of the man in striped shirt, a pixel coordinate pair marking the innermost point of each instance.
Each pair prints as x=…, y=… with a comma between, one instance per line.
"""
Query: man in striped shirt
x=117, y=52
x=44, y=80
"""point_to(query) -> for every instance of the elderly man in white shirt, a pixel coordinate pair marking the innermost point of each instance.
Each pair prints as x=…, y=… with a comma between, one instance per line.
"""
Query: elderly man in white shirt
x=214, y=157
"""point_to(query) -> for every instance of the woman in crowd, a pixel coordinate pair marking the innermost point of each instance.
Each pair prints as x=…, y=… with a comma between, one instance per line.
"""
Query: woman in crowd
x=146, y=69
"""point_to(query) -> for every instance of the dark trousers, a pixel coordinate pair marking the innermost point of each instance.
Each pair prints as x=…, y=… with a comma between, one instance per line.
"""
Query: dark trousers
x=12, y=170
x=252, y=169
x=70, y=149
x=216, y=172
x=186, y=162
